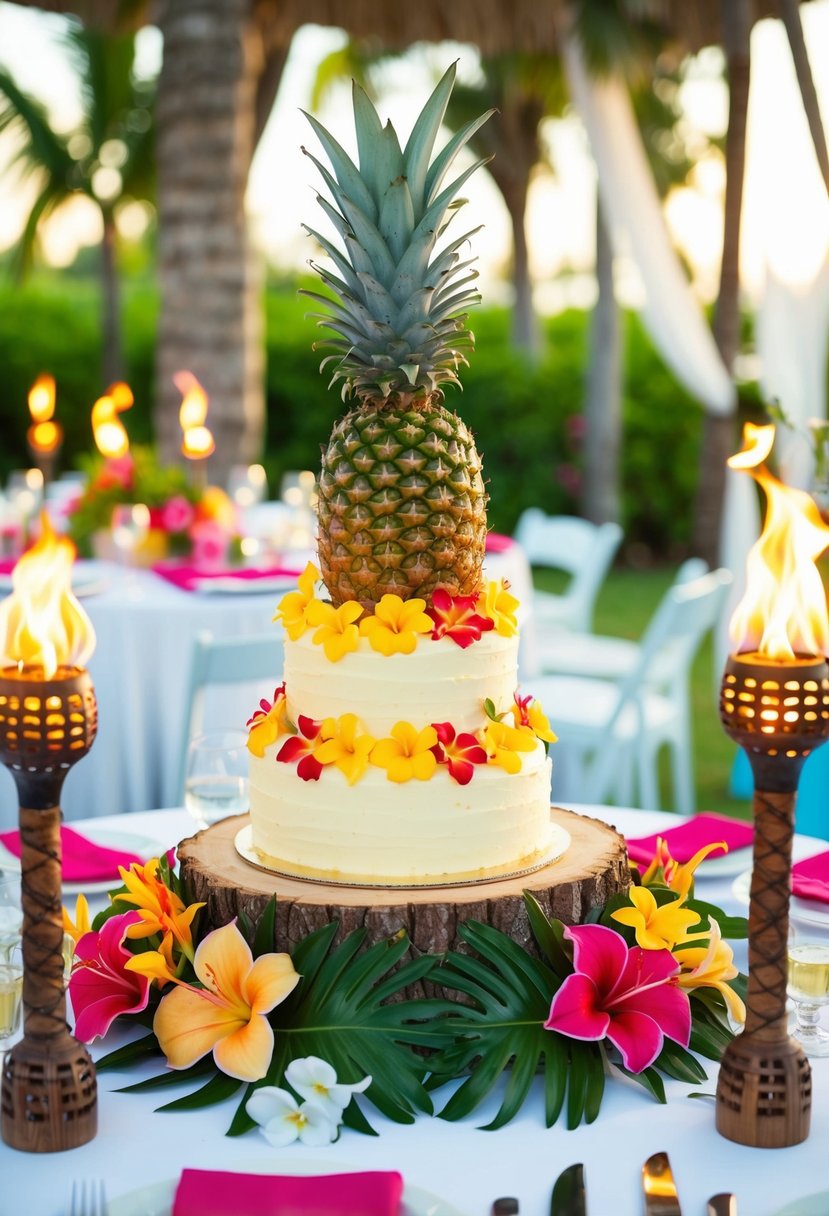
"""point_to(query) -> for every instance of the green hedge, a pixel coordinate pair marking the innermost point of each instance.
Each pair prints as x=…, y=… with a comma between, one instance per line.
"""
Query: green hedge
x=521, y=415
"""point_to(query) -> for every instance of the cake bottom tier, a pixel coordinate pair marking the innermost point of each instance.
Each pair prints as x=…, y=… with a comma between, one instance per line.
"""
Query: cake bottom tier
x=377, y=830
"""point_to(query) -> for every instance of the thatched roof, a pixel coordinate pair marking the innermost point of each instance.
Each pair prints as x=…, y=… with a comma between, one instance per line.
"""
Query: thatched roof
x=493, y=25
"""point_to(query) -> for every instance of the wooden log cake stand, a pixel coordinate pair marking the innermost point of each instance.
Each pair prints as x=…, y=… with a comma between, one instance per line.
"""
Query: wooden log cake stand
x=593, y=869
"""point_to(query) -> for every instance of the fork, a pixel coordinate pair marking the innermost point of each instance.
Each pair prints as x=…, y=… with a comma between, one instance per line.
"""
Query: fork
x=88, y=1198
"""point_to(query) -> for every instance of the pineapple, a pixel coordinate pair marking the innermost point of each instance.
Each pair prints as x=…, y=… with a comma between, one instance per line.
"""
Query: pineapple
x=402, y=503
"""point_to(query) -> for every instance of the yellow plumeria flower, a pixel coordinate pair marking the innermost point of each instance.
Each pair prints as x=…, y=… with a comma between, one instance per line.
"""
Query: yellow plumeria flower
x=160, y=909
x=394, y=627
x=344, y=747
x=81, y=924
x=710, y=967
x=336, y=631
x=268, y=723
x=496, y=602
x=503, y=744
x=293, y=607
x=407, y=753
x=656, y=928
x=229, y=1014
x=526, y=711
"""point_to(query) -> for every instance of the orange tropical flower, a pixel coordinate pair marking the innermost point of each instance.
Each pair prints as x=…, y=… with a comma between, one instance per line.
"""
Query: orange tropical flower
x=503, y=744
x=657, y=926
x=81, y=924
x=293, y=607
x=336, y=631
x=709, y=966
x=394, y=627
x=496, y=603
x=526, y=711
x=665, y=871
x=407, y=753
x=344, y=747
x=229, y=1015
x=160, y=909
x=268, y=722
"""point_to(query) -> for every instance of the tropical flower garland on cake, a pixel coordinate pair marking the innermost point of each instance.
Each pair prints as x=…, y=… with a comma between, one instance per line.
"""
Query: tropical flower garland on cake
x=642, y=989
x=411, y=751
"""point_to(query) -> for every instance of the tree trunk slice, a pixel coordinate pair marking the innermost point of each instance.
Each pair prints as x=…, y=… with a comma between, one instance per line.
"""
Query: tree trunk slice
x=593, y=869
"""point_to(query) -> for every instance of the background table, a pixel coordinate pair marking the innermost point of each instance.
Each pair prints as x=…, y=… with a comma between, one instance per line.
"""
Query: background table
x=464, y=1165
x=145, y=629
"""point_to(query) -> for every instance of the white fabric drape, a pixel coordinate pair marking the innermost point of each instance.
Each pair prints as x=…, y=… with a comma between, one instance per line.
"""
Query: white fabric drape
x=672, y=316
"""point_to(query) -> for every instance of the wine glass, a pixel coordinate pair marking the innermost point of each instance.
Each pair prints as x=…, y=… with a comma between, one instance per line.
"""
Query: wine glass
x=216, y=781
x=130, y=525
x=11, y=915
x=11, y=994
x=808, y=986
x=247, y=485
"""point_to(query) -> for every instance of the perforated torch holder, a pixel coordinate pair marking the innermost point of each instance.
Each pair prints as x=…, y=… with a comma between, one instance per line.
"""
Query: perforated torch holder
x=48, y=1098
x=778, y=712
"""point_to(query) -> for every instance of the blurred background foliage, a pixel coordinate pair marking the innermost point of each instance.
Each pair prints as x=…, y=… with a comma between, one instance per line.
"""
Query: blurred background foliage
x=527, y=418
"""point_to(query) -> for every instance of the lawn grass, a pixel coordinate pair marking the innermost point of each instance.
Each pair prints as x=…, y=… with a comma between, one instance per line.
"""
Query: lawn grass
x=625, y=604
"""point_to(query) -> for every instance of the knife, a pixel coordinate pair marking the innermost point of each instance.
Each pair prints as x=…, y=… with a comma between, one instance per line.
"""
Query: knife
x=658, y=1184
x=724, y=1204
x=568, y=1193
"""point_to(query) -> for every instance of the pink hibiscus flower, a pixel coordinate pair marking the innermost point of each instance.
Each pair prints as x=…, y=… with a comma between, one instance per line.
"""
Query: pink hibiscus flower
x=210, y=545
x=99, y=988
x=624, y=995
x=177, y=514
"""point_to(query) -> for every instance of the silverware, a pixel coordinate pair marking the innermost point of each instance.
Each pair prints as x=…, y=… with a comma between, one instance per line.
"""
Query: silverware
x=505, y=1207
x=568, y=1193
x=724, y=1204
x=658, y=1184
x=88, y=1198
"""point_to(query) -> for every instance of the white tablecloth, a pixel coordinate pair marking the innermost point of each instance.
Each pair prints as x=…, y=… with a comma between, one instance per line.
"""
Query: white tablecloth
x=145, y=629
x=467, y=1167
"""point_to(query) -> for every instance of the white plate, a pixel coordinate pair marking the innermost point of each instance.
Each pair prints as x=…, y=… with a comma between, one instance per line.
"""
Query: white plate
x=129, y=842
x=810, y=1205
x=244, y=586
x=157, y=1200
x=811, y=912
x=802, y=847
x=723, y=865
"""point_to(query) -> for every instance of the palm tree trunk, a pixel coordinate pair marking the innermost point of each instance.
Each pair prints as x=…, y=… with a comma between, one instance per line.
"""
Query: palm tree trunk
x=603, y=397
x=718, y=430
x=526, y=331
x=790, y=15
x=210, y=319
x=111, y=355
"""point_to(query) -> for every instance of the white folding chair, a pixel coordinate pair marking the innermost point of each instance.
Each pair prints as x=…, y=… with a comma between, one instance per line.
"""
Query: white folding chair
x=611, y=732
x=255, y=660
x=583, y=550
x=567, y=652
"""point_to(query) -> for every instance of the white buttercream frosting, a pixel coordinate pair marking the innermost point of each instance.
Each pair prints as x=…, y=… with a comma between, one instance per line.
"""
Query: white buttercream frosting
x=420, y=830
x=439, y=682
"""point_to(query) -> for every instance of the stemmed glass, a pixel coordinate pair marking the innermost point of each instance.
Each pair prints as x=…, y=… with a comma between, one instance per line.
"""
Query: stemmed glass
x=11, y=915
x=130, y=525
x=216, y=782
x=808, y=986
x=11, y=993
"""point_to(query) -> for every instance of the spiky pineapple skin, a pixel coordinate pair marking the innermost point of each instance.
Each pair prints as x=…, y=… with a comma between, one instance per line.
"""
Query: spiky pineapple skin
x=402, y=504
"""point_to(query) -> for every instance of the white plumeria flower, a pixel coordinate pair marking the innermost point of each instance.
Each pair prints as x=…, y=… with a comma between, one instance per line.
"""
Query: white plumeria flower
x=316, y=1080
x=282, y=1120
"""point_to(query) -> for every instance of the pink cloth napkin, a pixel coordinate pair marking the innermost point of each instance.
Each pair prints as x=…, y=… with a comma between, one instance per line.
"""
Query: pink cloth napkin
x=189, y=577
x=686, y=838
x=214, y=1193
x=83, y=861
x=810, y=878
x=496, y=542
x=7, y=564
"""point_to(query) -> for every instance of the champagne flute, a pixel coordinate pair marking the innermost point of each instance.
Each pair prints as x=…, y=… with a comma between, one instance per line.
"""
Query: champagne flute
x=808, y=987
x=11, y=996
x=216, y=782
x=11, y=914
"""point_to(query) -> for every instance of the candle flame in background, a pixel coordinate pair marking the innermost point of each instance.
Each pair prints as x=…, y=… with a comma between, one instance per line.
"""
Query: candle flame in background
x=44, y=435
x=197, y=442
x=111, y=438
x=41, y=622
x=783, y=611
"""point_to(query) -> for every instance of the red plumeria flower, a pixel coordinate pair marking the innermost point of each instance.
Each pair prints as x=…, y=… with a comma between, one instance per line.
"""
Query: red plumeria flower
x=301, y=747
x=455, y=617
x=265, y=706
x=460, y=753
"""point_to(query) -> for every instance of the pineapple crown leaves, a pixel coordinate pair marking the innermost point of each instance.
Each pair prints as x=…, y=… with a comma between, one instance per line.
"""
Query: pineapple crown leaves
x=397, y=321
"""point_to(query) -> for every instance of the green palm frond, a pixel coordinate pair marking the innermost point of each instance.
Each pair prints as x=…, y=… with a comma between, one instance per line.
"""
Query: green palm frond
x=502, y=1031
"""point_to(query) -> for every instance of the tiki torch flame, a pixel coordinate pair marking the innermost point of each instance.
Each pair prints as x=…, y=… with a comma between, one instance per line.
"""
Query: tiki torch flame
x=111, y=438
x=197, y=440
x=783, y=611
x=41, y=622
